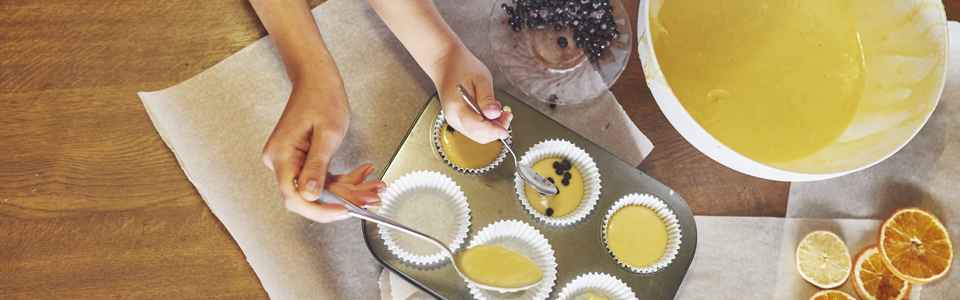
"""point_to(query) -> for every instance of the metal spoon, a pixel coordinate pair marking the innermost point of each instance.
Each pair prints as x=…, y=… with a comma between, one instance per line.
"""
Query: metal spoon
x=356, y=211
x=526, y=173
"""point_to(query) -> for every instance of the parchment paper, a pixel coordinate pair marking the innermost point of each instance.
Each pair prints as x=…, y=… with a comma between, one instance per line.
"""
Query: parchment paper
x=217, y=123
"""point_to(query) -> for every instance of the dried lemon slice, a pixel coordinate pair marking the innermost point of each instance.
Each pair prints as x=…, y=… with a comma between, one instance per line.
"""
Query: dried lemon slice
x=823, y=259
x=831, y=295
x=915, y=245
x=872, y=280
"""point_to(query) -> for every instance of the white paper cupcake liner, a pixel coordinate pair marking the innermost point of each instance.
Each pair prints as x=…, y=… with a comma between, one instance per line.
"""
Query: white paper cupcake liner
x=428, y=202
x=578, y=158
x=522, y=238
x=602, y=284
x=437, y=129
x=665, y=214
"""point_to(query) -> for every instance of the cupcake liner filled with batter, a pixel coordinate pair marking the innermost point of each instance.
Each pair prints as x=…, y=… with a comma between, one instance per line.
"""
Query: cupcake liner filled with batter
x=601, y=285
x=462, y=153
x=522, y=238
x=641, y=233
x=574, y=173
x=428, y=202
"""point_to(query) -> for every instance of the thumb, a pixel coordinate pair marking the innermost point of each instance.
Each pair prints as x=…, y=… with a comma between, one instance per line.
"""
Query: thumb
x=489, y=106
x=323, y=146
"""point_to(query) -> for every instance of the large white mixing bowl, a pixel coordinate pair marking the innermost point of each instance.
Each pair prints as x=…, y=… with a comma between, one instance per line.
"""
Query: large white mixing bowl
x=905, y=53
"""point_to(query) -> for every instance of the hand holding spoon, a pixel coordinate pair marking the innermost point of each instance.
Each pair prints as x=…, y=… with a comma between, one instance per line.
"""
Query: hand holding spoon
x=456, y=258
x=526, y=173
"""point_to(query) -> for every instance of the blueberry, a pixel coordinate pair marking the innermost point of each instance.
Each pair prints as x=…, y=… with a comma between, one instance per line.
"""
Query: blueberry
x=615, y=34
x=558, y=27
x=550, y=179
x=559, y=172
x=606, y=17
x=509, y=10
x=562, y=41
x=567, y=176
x=603, y=27
x=557, y=165
x=504, y=6
x=579, y=44
x=450, y=129
x=565, y=182
x=531, y=22
x=549, y=212
x=553, y=105
x=611, y=25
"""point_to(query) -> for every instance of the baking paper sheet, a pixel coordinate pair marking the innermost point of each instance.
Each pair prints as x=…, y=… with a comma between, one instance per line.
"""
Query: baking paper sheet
x=217, y=123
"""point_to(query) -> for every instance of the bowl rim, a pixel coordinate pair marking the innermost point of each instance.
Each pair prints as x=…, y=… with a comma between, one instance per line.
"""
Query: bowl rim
x=704, y=142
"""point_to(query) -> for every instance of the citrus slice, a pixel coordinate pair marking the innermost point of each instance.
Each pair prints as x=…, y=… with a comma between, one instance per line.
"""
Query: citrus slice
x=872, y=280
x=823, y=259
x=915, y=246
x=831, y=295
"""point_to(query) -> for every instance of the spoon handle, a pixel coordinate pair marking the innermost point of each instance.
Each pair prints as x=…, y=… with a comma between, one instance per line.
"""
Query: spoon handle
x=356, y=211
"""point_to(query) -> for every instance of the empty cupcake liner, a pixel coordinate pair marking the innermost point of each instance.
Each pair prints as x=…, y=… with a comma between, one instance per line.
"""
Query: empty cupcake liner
x=428, y=202
x=522, y=238
x=437, y=130
x=580, y=159
x=600, y=284
x=665, y=214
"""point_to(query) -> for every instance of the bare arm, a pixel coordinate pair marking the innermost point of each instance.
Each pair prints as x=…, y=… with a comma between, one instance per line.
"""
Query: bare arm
x=441, y=54
x=315, y=119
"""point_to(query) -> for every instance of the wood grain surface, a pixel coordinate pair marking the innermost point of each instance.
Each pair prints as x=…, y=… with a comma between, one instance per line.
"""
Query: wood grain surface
x=93, y=205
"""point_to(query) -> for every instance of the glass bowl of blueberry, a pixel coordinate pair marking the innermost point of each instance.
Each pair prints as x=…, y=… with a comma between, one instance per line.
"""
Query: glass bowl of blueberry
x=560, y=51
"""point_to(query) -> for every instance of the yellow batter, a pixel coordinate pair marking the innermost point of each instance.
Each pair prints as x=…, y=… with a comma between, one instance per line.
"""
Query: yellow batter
x=464, y=152
x=775, y=80
x=591, y=296
x=636, y=236
x=569, y=195
x=498, y=267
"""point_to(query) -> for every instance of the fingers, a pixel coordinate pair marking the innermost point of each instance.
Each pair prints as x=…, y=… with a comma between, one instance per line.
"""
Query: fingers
x=286, y=170
x=323, y=146
x=356, y=176
x=489, y=106
x=468, y=121
x=360, y=197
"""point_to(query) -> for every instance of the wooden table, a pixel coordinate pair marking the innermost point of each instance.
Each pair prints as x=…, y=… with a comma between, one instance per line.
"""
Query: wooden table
x=93, y=205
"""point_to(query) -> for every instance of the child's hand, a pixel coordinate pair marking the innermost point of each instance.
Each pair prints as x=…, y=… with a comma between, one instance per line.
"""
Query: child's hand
x=460, y=66
x=306, y=138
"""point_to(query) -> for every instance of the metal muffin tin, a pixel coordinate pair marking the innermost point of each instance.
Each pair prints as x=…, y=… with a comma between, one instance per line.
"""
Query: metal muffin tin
x=492, y=197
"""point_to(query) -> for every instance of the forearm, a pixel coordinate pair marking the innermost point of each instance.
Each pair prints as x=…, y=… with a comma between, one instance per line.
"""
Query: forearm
x=294, y=31
x=420, y=28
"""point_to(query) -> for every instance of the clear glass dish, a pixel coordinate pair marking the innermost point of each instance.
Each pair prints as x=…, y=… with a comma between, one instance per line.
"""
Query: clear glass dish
x=533, y=61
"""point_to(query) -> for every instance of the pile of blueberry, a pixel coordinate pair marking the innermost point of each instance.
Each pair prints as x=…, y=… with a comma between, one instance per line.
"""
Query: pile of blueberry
x=591, y=21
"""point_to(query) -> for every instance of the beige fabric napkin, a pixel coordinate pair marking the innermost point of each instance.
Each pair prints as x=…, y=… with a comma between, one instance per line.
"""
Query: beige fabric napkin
x=217, y=123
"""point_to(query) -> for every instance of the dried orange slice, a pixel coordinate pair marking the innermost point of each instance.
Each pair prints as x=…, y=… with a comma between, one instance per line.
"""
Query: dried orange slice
x=872, y=280
x=832, y=295
x=915, y=245
x=823, y=259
